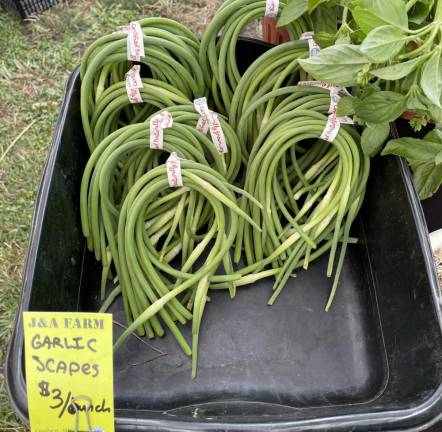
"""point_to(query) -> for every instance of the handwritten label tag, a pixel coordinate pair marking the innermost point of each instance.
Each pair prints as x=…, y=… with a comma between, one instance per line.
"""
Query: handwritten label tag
x=324, y=85
x=331, y=129
x=157, y=123
x=313, y=48
x=333, y=123
x=334, y=101
x=217, y=134
x=272, y=8
x=173, y=166
x=333, y=126
x=202, y=109
x=319, y=84
x=209, y=121
x=133, y=84
x=202, y=125
x=69, y=371
x=135, y=41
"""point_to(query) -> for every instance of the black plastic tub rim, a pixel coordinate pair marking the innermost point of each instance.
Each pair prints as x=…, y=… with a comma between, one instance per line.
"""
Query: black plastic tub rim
x=430, y=410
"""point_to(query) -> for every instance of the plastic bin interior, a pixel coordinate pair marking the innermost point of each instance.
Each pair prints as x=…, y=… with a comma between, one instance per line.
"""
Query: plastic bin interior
x=374, y=362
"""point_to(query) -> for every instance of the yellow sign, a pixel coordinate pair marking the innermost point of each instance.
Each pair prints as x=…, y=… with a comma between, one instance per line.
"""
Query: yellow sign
x=69, y=371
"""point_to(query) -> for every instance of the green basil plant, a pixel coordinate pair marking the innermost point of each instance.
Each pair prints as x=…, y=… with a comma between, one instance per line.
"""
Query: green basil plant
x=389, y=53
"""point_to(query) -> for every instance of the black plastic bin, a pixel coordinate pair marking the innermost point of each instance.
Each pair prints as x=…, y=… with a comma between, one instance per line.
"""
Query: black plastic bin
x=28, y=8
x=373, y=363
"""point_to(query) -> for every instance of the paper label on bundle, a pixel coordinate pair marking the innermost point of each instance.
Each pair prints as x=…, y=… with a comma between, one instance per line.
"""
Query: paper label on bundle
x=334, y=97
x=202, y=109
x=313, y=48
x=157, y=123
x=173, y=167
x=331, y=128
x=209, y=121
x=334, y=101
x=217, y=134
x=133, y=92
x=69, y=371
x=135, y=42
x=134, y=75
x=202, y=125
x=272, y=8
x=319, y=84
x=324, y=85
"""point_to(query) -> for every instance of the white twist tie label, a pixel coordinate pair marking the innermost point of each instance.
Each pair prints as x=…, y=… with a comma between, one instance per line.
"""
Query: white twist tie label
x=133, y=85
x=209, y=121
x=334, y=92
x=173, y=167
x=135, y=41
x=272, y=8
x=217, y=134
x=334, y=101
x=319, y=84
x=313, y=48
x=202, y=109
x=331, y=128
x=333, y=123
x=159, y=122
x=202, y=125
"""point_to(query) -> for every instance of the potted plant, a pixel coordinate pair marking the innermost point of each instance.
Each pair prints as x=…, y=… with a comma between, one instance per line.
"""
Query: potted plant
x=390, y=53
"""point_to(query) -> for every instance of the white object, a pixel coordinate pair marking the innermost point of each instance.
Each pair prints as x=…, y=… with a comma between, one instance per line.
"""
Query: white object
x=209, y=121
x=135, y=41
x=313, y=48
x=133, y=85
x=436, y=240
x=159, y=122
x=173, y=166
x=272, y=8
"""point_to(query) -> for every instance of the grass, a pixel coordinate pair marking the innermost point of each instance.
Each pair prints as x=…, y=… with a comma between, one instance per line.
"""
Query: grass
x=37, y=56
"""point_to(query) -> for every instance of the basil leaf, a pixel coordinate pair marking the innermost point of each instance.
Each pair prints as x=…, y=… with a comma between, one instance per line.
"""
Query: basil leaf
x=383, y=43
x=325, y=19
x=427, y=178
x=374, y=137
x=313, y=4
x=431, y=78
x=381, y=106
x=370, y=14
x=413, y=149
x=292, y=11
x=337, y=64
x=367, y=91
x=324, y=39
x=396, y=71
x=416, y=102
x=343, y=39
x=434, y=135
x=424, y=157
x=435, y=113
x=346, y=106
x=420, y=11
x=343, y=36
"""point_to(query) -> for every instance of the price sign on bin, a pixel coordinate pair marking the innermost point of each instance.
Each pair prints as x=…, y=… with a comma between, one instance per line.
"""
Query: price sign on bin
x=69, y=371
